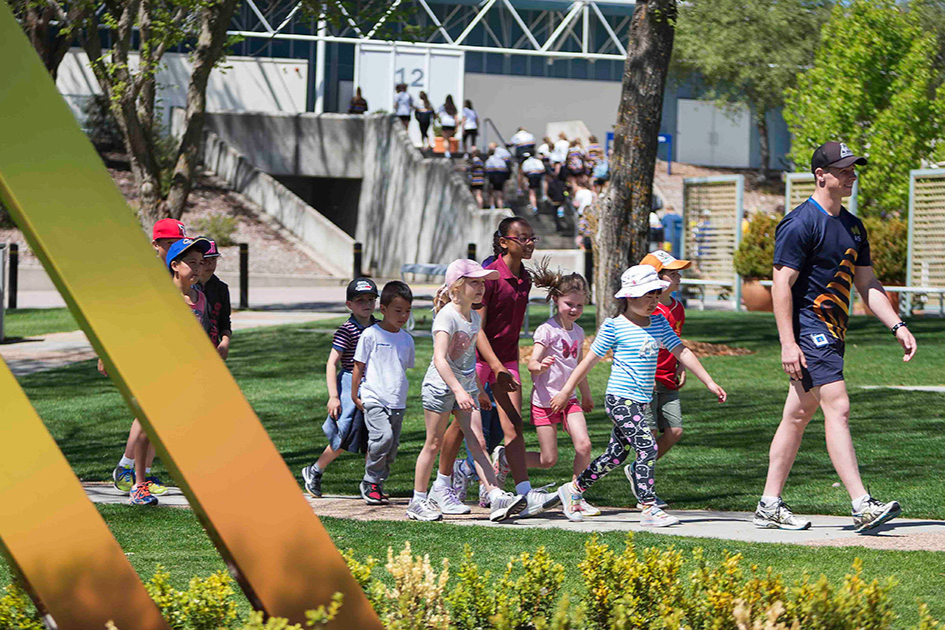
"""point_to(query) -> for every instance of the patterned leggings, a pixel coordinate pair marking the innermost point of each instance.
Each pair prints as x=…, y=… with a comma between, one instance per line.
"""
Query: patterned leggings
x=631, y=430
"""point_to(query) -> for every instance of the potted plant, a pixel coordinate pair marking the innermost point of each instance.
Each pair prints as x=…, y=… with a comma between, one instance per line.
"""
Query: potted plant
x=754, y=260
x=889, y=249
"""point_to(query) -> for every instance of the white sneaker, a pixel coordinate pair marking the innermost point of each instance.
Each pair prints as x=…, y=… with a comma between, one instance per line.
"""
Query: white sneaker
x=571, y=501
x=589, y=510
x=459, y=480
x=779, y=516
x=444, y=498
x=500, y=465
x=655, y=517
x=628, y=471
x=483, y=496
x=660, y=503
x=539, y=500
x=874, y=514
x=423, y=510
x=506, y=506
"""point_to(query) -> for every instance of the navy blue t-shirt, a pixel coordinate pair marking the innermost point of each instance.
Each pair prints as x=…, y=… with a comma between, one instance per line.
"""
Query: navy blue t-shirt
x=824, y=249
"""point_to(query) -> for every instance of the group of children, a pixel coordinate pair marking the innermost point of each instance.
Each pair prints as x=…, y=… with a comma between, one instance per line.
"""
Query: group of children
x=480, y=311
x=192, y=264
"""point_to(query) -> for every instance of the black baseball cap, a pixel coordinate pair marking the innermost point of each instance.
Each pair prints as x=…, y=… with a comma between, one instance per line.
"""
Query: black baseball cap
x=361, y=286
x=835, y=154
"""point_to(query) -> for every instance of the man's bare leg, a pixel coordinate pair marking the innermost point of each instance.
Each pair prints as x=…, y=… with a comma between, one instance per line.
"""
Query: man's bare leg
x=836, y=406
x=799, y=408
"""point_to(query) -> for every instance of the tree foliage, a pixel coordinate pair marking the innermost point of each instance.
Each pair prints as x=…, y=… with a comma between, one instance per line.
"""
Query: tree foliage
x=872, y=86
x=747, y=53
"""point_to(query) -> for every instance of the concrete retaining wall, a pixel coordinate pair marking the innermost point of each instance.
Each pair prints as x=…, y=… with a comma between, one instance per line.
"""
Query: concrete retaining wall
x=279, y=202
x=309, y=145
x=411, y=209
x=415, y=209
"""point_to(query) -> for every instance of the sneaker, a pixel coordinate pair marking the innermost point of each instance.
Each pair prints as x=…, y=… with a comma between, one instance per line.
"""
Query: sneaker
x=778, y=517
x=141, y=495
x=459, y=480
x=506, y=506
x=501, y=465
x=589, y=510
x=483, y=496
x=660, y=503
x=445, y=499
x=124, y=479
x=628, y=471
x=656, y=517
x=874, y=514
x=371, y=493
x=423, y=510
x=571, y=501
x=385, y=498
x=313, y=480
x=539, y=500
x=155, y=486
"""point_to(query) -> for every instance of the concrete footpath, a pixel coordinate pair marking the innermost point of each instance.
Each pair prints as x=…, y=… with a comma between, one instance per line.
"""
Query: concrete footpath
x=899, y=534
x=46, y=352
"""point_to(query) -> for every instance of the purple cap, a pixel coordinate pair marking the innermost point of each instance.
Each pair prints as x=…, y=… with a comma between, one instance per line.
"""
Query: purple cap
x=465, y=268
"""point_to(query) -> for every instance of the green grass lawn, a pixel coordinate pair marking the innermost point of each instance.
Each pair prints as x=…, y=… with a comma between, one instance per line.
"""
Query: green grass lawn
x=719, y=464
x=31, y=322
x=173, y=538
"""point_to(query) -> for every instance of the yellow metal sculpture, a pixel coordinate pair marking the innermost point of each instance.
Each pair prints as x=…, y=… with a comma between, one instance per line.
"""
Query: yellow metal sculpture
x=93, y=248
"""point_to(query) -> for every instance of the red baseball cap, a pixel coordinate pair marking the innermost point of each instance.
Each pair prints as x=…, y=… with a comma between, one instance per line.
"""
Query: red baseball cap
x=168, y=228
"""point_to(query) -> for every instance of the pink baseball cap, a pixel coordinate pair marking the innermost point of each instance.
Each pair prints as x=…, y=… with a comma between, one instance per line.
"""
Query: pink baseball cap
x=465, y=268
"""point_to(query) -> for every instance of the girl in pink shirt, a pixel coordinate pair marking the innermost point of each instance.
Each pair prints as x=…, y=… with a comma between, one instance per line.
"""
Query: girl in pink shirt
x=559, y=348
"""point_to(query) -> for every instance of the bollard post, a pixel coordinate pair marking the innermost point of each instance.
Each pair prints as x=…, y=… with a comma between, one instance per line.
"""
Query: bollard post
x=589, y=265
x=471, y=251
x=358, y=249
x=244, y=276
x=14, y=274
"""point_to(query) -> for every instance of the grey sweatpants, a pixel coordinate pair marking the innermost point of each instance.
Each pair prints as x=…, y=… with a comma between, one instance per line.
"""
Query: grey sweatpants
x=383, y=427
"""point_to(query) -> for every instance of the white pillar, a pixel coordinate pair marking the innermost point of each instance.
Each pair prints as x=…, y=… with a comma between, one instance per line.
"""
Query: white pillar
x=320, y=68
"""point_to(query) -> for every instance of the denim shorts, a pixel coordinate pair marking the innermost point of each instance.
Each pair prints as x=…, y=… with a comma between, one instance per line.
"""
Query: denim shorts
x=347, y=432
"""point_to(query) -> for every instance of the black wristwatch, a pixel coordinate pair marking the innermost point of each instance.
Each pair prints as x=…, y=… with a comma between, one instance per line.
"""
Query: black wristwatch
x=898, y=326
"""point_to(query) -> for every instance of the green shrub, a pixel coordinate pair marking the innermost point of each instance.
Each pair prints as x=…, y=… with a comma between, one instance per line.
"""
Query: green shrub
x=17, y=611
x=627, y=590
x=100, y=124
x=889, y=248
x=754, y=258
x=6, y=221
x=219, y=227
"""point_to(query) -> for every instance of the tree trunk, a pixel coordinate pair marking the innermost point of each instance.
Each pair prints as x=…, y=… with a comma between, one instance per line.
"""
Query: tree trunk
x=761, y=124
x=123, y=92
x=624, y=211
x=211, y=43
x=50, y=44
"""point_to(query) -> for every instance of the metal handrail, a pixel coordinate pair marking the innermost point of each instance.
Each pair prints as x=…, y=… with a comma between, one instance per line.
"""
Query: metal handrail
x=485, y=132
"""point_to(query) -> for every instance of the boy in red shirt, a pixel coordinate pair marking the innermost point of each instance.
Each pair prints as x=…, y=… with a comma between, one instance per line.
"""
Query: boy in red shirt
x=664, y=414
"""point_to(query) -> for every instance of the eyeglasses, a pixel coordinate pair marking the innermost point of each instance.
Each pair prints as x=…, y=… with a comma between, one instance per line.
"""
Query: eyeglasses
x=523, y=240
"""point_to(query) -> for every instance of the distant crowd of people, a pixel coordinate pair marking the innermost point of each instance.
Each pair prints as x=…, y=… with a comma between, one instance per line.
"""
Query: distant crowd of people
x=565, y=173
x=448, y=116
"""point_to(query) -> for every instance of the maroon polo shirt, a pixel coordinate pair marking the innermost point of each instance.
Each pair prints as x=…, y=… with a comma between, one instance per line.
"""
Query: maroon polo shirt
x=505, y=300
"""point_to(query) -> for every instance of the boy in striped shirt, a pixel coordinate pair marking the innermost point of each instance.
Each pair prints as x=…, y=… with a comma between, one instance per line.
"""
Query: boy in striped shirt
x=344, y=425
x=636, y=336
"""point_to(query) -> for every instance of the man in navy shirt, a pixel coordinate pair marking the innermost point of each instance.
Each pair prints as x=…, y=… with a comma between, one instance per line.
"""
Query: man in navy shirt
x=821, y=252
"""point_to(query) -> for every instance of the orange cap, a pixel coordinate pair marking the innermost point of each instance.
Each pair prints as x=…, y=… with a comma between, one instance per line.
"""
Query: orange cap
x=660, y=260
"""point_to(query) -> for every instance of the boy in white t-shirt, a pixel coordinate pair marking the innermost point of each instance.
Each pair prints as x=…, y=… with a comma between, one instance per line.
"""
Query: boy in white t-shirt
x=383, y=355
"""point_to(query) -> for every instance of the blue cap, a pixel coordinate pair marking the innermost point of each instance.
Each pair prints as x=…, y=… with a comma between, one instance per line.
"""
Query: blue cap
x=178, y=249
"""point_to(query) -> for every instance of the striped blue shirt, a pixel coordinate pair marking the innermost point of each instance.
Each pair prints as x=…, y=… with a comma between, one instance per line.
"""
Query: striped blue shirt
x=633, y=374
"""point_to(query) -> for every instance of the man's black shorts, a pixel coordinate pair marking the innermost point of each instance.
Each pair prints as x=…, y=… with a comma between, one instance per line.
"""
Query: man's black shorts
x=824, y=356
x=534, y=180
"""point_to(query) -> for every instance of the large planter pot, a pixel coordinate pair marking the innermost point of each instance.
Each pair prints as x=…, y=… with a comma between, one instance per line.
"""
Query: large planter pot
x=860, y=307
x=756, y=297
